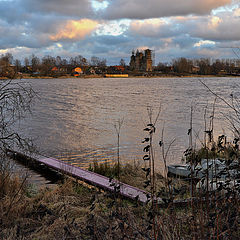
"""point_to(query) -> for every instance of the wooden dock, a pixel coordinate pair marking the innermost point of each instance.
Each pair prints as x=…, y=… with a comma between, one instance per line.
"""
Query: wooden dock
x=92, y=178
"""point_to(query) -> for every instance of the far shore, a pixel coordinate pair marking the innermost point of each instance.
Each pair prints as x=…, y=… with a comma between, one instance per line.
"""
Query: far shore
x=28, y=76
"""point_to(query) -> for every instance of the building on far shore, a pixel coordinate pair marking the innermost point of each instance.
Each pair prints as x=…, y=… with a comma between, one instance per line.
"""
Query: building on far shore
x=77, y=71
x=141, y=61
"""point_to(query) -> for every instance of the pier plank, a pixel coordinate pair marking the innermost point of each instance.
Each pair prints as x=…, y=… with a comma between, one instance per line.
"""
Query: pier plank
x=89, y=177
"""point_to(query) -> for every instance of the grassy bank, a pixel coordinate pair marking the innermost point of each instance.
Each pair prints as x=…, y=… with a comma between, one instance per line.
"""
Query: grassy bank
x=75, y=211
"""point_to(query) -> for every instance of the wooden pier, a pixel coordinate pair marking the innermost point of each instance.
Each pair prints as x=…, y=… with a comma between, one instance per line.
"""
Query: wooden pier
x=89, y=177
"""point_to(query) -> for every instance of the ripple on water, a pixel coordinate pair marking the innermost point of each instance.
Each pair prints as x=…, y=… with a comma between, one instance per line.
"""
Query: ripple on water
x=74, y=118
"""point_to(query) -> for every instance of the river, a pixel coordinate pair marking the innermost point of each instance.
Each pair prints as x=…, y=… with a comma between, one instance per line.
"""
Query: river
x=73, y=119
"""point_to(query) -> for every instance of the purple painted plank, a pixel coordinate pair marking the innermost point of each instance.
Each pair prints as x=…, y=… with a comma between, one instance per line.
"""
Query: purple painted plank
x=91, y=177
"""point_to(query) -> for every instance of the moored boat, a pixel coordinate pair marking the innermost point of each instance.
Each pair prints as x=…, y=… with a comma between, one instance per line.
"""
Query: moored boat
x=214, y=168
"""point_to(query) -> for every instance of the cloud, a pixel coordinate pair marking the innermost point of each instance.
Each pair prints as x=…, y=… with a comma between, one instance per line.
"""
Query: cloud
x=80, y=8
x=237, y=13
x=13, y=12
x=204, y=43
x=174, y=28
x=10, y=34
x=113, y=28
x=224, y=27
x=110, y=40
x=74, y=30
x=140, y=9
x=153, y=28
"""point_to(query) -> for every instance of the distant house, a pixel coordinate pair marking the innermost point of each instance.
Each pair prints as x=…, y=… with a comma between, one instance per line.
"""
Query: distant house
x=63, y=69
x=54, y=69
x=77, y=71
x=116, y=69
x=222, y=72
x=236, y=70
x=91, y=70
x=59, y=71
x=120, y=68
x=195, y=69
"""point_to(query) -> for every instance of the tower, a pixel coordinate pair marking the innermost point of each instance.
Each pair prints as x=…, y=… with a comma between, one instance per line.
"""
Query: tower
x=148, y=59
x=142, y=61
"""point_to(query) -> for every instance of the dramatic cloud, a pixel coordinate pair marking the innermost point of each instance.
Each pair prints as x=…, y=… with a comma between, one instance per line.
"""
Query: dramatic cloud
x=222, y=27
x=74, y=30
x=112, y=28
x=140, y=9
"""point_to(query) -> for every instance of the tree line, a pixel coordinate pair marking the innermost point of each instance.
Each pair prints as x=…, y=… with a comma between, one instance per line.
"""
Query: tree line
x=57, y=66
x=46, y=65
x=203, y=66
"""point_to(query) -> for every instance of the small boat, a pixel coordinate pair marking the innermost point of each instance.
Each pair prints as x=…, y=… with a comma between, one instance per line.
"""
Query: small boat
x=179, y=170
x=215, y=168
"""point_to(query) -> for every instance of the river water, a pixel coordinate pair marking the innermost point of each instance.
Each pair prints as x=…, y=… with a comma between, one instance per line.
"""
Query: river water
x=73, y=119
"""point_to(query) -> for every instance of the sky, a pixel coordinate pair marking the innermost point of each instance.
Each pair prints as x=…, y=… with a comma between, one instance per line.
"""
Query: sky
x=111, y=29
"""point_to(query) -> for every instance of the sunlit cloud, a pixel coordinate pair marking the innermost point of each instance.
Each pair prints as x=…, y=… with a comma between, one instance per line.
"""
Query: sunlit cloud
x=236, y=12
x=16, y=51
x=156, y=27
x=150, y=23
x=142, y=48
x=3, y=51
x=204, y=43
x=99, y=5
x=214, y=22
x=167, y=42
x=114, y=28
x=75, y=30
x=224, y=27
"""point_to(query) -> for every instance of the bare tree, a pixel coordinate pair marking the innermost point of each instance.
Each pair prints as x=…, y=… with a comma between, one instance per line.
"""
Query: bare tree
x=35, y=62
x=48, y=63
x=96, y=61
x=6, y=68
x=204, y=66
x=122, y=62
x=15, y=102
x=182, y=65
x=18, y=65
x=26, y=62
x=58, y=61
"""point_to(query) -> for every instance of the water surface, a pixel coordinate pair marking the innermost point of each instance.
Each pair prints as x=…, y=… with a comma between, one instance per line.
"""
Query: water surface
x=73, y=119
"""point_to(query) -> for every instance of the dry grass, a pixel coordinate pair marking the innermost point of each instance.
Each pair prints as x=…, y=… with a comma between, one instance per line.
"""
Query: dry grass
x=73, y=211
x=51, y=214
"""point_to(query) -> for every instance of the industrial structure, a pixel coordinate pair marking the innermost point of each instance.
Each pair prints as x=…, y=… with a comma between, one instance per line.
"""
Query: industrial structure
x=142, y=60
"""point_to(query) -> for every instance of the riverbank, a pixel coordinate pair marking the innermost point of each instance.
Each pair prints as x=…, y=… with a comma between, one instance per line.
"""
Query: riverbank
x=28, y=76
x=73, y=210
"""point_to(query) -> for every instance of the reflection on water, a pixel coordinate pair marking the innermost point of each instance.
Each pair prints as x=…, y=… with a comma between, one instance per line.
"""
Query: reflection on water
x=33, y=179
x=73, y=119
